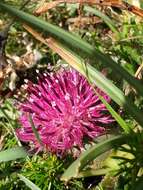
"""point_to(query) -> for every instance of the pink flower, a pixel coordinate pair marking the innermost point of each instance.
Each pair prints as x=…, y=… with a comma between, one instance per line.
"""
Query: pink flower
x=64, y=110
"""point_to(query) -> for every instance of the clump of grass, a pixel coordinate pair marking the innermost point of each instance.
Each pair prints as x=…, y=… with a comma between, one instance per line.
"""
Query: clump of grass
x=45, y=172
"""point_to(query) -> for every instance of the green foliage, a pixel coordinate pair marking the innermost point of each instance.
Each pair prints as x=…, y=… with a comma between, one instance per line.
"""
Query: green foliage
x=44, y=171
x=130, y=162
x=8, y=121
x=44, y=168
x=48, y=169
x=118, y=48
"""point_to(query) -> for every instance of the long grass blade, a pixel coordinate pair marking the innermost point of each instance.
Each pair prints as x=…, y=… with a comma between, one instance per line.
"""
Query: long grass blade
x=28, y=183
x=75, y=42
x=115, y=115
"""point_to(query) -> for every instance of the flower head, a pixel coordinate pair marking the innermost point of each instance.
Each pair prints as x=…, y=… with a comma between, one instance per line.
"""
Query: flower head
x=65, y=110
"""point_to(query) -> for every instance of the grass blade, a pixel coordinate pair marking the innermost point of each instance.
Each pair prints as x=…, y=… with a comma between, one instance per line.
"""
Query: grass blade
x=35, y=131
x=12, y=154
x=28, y=183
x=115, y=115
x=105, y=18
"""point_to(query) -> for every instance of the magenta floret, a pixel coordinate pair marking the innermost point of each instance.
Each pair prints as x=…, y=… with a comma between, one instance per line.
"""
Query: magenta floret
x=65, y=110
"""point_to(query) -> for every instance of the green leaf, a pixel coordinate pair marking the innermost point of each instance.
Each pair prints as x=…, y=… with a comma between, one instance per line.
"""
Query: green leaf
x=12, y=154
x=28, y=183
x=91, y=154
x=92, y=172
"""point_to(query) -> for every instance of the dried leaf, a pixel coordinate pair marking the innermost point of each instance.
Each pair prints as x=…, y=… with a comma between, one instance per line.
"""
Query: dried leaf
x=47, y=6
x=114, y=3
x=82, y=21
x=2, y=141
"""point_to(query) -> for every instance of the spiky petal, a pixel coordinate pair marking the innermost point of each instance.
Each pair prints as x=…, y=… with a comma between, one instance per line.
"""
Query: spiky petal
x=64, y=110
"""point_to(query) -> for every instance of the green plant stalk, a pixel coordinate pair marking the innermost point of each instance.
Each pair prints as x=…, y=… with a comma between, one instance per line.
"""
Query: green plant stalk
x=35, y=131
x=115, y=115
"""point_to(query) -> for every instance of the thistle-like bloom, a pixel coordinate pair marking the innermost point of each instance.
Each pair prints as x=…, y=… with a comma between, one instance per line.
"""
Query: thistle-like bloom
x=65, y=111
